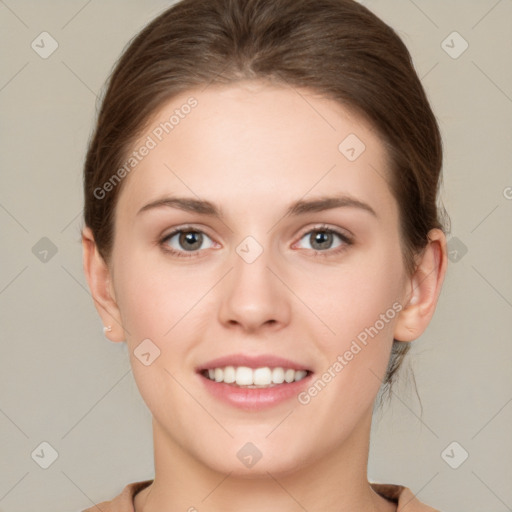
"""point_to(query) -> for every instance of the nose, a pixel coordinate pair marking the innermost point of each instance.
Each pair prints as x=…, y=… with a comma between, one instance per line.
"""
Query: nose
x=252, y=297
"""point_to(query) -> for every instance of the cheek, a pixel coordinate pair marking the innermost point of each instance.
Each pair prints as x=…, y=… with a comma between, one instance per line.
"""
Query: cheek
x=169, y=306
x=360, y=304
x=354, y=295
x=157, y=303
x=154, y=297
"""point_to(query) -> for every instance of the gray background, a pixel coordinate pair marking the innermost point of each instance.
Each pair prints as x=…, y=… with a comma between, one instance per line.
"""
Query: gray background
x=63, y=383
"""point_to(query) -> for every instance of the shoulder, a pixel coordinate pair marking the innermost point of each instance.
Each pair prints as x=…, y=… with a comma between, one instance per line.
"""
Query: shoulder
x=402, y=496
x=398, y=494
x=123, y=502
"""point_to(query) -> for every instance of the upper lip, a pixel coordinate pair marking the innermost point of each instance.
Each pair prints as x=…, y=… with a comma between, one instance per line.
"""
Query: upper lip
x=258, y=361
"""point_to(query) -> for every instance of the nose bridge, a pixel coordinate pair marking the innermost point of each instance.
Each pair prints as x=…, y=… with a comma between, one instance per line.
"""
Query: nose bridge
x=253, y=296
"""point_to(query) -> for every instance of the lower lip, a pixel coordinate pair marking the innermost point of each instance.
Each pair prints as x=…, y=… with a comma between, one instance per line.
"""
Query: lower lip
x=255, y=399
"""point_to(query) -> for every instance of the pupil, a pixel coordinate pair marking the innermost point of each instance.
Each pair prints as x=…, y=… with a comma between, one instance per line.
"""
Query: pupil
x=191, y=240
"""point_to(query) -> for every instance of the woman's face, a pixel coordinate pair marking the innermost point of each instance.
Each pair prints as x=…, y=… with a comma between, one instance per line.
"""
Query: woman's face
x=293, y=252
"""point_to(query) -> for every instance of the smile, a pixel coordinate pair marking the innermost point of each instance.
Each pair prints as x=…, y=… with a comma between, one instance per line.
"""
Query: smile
x=263, y=377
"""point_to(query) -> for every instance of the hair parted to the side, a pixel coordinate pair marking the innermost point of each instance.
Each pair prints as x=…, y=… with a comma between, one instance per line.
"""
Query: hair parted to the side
x=337, y=48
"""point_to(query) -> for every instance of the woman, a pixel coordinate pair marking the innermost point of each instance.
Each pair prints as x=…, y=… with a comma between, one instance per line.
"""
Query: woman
x=261, y=229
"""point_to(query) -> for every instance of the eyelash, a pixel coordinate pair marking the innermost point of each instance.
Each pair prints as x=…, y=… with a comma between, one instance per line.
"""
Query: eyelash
x=347, y=241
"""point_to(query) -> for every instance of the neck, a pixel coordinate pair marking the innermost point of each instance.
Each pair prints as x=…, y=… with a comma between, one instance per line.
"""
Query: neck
x=334, y=482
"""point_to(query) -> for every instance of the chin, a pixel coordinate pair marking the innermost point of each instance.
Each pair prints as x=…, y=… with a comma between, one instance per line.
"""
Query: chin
x=248, y=462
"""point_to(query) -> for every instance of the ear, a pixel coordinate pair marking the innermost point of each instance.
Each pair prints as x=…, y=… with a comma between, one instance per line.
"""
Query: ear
x=98, y=277
x=424, y=289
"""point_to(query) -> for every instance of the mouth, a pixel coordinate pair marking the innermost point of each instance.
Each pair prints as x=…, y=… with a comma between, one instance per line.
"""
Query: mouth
x=254, y=378
x=254, y=382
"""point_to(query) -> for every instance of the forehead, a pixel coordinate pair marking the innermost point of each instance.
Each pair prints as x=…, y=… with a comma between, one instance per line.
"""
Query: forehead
x=251, y=143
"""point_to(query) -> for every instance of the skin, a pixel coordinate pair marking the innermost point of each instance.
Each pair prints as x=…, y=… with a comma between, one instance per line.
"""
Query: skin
x=252, y=149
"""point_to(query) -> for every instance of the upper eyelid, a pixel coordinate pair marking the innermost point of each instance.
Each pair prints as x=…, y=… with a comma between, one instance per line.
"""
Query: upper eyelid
x=185, y=227
x=326, y=227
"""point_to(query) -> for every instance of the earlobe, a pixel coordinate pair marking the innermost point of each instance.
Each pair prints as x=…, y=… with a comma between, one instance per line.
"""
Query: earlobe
x=98, y=278
x=424, y=289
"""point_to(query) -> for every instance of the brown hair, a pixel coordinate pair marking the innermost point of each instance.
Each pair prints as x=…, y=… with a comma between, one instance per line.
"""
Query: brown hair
x=337, y=48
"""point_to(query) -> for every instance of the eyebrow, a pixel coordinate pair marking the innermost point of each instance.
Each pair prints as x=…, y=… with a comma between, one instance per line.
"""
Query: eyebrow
x=299, y=207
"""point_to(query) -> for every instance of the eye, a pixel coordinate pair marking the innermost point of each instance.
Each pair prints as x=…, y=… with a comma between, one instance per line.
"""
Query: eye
x=183, y=240
x=323, y=239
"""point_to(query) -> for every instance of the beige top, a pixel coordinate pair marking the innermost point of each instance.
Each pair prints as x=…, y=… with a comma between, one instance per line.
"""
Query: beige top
x=398, y=494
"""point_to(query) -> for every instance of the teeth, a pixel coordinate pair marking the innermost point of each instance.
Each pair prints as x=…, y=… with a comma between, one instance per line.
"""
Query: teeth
x=244, y=376
x=289, y=375
x=277, y=375
x=229, y=375
x=258, y=377
x=261, y=376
